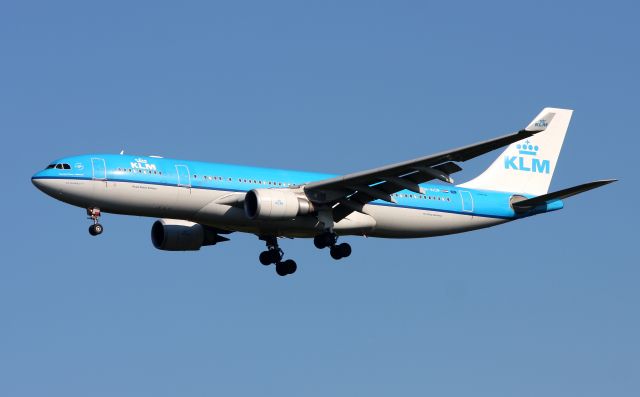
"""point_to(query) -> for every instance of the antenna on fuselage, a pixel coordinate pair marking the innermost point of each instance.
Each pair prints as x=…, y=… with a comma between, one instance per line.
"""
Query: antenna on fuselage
x=122, y=152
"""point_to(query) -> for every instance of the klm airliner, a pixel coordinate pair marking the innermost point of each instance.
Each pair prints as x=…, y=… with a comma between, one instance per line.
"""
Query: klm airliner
x=200, y=203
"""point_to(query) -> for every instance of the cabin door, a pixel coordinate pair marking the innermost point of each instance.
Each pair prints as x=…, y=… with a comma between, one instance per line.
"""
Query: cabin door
x=99, y=169
x=184, y=177
x=467, y=201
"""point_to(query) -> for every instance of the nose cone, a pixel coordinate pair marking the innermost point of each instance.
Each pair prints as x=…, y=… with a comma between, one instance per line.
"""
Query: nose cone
x=36, y=179
x=40, y=181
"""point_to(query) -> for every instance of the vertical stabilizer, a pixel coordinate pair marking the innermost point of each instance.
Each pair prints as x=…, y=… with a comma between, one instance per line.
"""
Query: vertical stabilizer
x=527, y=166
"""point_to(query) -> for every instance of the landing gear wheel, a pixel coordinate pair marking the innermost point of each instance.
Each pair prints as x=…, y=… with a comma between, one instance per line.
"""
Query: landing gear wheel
x=265, y=258
x=324, y=240
x=287, y=267
x=340, y=251
x=270, y=256
x=318, y=241
x=95, y=229
x=291, y=266
x=94, y=214
x=335, y=252
x=281, y=269
x=345, y=250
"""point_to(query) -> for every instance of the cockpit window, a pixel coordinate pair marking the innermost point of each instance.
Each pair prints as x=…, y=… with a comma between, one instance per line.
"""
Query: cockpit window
x=59, y=166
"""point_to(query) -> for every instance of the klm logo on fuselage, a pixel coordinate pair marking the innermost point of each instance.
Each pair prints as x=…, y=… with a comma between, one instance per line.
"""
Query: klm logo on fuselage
x=142, y=164
x=527, y=161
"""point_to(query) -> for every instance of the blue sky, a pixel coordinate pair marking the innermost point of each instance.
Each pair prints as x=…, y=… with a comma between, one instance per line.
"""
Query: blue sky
x=545, y=306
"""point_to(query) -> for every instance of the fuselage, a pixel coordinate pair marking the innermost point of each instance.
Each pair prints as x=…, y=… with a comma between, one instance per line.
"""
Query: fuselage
x=196, y=191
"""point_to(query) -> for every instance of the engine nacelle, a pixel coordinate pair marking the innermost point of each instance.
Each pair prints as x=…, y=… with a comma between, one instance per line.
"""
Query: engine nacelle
x=275, y=204
x=179, y=235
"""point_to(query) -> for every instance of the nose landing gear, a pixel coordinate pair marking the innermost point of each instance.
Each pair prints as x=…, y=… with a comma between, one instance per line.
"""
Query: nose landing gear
x=94, y=214
x=273, y=255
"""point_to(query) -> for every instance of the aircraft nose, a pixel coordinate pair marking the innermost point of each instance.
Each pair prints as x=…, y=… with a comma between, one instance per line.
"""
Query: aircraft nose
x=41, y=183
x=37, y=181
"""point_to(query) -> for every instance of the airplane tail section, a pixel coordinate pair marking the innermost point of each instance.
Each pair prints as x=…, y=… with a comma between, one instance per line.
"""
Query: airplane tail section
x=527, y=166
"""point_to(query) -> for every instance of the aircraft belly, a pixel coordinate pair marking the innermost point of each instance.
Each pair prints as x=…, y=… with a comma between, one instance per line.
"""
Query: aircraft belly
x=157, y=200
x=410, y=223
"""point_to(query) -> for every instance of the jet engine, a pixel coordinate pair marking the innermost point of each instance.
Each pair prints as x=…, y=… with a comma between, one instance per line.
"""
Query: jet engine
x=179, y=235
x=276, y=204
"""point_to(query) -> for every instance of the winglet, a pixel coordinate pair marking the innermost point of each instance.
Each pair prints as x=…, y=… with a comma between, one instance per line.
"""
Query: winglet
x=540, y=124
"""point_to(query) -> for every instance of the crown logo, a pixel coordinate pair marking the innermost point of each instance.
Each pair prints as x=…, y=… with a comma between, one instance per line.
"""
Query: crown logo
x=140, y=160
x=541, y=123
x=528, y=149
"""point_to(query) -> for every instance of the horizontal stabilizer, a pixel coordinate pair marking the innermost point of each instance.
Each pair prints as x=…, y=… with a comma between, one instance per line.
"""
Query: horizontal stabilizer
x=529, y=204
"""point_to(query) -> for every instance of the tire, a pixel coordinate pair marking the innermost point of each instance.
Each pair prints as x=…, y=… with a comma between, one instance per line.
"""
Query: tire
x=290, y=266
x=265, y=258
x=345, y=250
x=95, y=229
x=281, y=269
x=318, y=241
x=336, y=252
x=276, y=255
x=324, y=240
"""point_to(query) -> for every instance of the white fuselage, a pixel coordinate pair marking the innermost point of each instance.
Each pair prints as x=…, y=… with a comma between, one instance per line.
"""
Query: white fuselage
x=200, y=206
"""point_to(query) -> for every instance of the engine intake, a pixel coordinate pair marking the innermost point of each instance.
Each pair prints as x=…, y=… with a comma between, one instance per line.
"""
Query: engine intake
x=275, y=204
x=179, y=235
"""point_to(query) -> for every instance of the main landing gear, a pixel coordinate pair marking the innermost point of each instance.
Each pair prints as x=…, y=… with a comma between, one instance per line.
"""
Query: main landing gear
x=94, y=215
x=273, y=255
x=328, y=239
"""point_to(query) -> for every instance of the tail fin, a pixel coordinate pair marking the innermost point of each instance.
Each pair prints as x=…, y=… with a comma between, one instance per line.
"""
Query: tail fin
x=527, y=166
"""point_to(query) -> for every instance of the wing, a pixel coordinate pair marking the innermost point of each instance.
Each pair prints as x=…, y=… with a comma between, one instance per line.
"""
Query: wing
x=350, y=192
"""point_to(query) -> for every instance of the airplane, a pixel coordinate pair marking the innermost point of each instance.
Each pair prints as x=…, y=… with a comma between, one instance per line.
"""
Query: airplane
x=200, y=203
